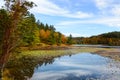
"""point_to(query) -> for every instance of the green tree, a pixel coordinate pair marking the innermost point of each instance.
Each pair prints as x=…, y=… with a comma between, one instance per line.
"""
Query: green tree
x=51, y=39
x=69, y=41
x=46, y=27
x=29, y=31
x=52, y=28
x=59, y=38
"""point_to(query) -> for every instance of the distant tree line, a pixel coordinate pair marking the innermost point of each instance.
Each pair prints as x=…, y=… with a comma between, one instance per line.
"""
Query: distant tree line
x=111, y=38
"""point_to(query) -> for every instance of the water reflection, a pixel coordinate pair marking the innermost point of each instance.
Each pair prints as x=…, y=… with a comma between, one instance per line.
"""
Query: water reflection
x=83, y=66
x=23, y=68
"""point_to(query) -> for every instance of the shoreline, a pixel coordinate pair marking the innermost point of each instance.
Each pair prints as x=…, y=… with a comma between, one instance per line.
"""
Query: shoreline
x=113, y=54
x=48, y=47
x=65, y=47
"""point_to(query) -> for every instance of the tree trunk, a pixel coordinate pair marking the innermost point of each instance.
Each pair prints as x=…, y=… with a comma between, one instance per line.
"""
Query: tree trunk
x=5, y=50
x=5, y=47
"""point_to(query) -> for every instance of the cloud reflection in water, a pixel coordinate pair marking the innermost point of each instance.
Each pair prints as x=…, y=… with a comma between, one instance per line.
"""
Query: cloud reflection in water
x=78, y=67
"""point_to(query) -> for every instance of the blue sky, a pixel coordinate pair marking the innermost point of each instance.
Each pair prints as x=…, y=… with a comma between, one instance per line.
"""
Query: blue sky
x=79, y=17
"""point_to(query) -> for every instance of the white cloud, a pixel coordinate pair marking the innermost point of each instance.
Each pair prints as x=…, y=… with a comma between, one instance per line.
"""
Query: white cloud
x=110, y=21
x=101, y=4
x=116, y=10
x=109, y=15
x=108, y=7
x=48, y=8
x=75, y=34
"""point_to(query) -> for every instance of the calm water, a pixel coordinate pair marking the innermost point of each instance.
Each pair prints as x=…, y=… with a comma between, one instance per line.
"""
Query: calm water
x=82, y=66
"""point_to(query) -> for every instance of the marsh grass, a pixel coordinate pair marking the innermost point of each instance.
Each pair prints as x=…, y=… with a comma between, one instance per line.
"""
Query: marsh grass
x=56, y=53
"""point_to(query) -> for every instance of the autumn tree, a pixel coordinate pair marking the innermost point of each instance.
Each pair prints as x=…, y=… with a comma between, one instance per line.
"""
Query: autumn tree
x=64, y=39
x=111, y=39
x=10, y=16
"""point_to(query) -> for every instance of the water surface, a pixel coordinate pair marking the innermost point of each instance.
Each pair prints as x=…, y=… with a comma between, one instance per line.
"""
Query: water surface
x=83, y=66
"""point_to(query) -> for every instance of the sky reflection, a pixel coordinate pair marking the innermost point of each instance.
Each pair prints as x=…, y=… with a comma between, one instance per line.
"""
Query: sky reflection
x=84, y=66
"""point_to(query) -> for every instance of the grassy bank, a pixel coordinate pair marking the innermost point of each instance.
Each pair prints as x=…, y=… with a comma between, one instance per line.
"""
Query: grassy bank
x=59, y=52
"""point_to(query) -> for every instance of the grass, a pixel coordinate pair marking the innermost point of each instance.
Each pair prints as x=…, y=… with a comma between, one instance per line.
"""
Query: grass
x=56, y=53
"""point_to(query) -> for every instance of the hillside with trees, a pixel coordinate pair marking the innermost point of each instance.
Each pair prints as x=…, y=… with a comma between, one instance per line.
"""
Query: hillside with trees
x=35, y=32
x=111, y=38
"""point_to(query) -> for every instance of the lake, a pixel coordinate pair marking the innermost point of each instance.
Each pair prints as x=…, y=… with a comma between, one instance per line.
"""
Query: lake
x=81, y=66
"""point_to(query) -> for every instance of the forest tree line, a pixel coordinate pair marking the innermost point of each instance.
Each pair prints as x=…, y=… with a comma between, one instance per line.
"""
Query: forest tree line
x=111, y=38
x=31, y=32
